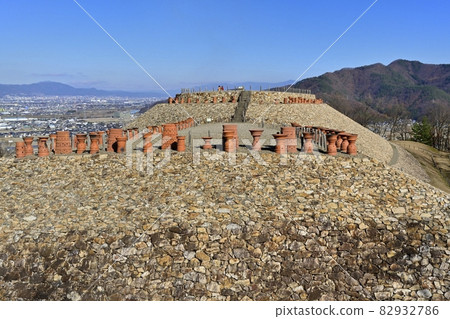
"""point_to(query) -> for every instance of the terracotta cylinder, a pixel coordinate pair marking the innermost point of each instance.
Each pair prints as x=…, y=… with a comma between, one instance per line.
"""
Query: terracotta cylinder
x=81, y=143
x=148, y=146
x=28, y=140
x=232, y=127
x=285, y=100
x=63, y=143
x=256, y=134
x=207, y=145
x=169, y=135
x=94, y=143
x=331, y=144
x=229, y=141
x=291, y=138
x=214, y=99
x=280, y=147
x=309, y=148
x=43, y=147
x=351, y=149
x=20, y=149
x=114, y=133
x=344, y=143
x=121, y=144
x=181, y=143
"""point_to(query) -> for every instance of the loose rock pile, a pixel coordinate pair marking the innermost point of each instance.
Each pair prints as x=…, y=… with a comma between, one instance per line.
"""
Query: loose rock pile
x=316, y=227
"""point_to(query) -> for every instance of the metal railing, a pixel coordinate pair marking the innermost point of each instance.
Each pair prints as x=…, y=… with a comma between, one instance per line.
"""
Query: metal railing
x=290, y=90
x=278, y=89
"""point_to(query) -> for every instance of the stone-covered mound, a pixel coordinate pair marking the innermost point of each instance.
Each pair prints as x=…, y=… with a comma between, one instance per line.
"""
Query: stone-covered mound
x=171, y=113
x=368, y=143
x=315, y=228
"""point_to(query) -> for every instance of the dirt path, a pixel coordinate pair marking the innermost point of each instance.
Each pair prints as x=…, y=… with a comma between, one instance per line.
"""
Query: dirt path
x=394, y=158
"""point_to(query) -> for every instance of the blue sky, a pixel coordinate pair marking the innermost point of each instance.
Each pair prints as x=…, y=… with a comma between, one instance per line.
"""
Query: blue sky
x=187, y=43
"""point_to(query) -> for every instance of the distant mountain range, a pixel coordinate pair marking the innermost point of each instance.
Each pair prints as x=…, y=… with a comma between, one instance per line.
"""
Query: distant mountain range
x=413, y=86
x=362, y=93
x=60, y=89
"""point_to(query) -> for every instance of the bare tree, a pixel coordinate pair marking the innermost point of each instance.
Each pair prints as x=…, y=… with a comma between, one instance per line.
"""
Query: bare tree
x=396, y=115
x=440, y=121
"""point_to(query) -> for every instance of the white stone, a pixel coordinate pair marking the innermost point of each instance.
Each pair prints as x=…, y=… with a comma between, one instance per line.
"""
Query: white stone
x=29, y=218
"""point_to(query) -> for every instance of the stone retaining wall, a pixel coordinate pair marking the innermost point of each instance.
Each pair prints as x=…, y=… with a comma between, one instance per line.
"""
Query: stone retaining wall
x=256, y=97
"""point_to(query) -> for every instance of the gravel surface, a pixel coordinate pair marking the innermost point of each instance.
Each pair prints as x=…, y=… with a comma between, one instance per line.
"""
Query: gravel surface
x=308, y=228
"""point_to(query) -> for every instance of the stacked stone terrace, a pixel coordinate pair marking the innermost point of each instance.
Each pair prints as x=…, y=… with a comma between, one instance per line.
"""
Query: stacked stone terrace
x=258, y=97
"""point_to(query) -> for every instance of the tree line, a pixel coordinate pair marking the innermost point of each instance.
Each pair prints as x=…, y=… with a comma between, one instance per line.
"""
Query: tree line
x=396, y=123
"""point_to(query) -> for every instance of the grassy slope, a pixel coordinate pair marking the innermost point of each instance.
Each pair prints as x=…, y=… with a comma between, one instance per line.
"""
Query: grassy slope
x=424, y=153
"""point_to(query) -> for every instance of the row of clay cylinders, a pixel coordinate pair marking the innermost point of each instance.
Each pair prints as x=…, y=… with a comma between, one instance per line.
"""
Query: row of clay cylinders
x=346, y=143
x=230, y=138
x=224, y=99
x=25, y=148
x=131, y=132
x=290, y=100
x=96, y=142
x=180, y=100
x=185, y=124
x=286, y=141
x=340, y=140
x=148, y=145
